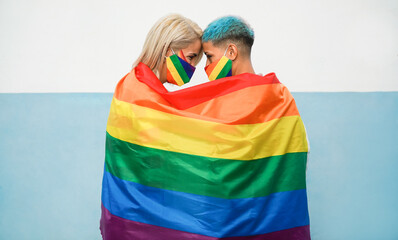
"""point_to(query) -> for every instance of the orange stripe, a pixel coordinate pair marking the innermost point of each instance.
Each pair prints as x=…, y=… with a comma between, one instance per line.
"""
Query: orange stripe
x=235, y=104
x=275, y=102
x=210, y=68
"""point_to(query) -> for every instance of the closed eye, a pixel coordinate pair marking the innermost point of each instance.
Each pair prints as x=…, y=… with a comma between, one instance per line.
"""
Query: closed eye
x=192, y=56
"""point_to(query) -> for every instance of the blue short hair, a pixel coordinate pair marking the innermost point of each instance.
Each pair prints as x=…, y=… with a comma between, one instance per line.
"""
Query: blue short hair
x=229, y=28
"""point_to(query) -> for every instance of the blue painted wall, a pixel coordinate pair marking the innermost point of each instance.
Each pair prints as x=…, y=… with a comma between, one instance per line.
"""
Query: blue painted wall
x=52, y=156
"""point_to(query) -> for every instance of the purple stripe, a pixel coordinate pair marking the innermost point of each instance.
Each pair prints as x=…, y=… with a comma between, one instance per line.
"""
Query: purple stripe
x=117, y=228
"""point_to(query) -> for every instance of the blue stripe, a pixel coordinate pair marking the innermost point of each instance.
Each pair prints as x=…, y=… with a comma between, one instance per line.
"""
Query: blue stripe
x=204, y=215
x=189, y=69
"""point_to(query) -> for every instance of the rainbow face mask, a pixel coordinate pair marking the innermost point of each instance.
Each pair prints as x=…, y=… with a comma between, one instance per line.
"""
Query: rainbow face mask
x=220, y=69
x=179, y=71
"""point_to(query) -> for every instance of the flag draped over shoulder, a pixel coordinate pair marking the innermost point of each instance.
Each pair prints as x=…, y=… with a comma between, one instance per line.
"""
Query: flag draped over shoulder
x=221, y=160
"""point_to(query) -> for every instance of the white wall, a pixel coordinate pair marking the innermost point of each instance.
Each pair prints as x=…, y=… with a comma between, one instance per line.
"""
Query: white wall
x=87, y=46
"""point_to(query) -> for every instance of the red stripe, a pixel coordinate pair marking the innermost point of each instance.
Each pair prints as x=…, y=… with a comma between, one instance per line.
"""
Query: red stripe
x=117, y=228
x=182, y=56
x=192, y=96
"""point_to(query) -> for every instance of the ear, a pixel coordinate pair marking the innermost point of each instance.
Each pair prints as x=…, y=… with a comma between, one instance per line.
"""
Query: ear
x=169, y=52
x=232, y=51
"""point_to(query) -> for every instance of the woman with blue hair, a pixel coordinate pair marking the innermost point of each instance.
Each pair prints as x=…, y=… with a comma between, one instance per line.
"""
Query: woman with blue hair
x=227, y=44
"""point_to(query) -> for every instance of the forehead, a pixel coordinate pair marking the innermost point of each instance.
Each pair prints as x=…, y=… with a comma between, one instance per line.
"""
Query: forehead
x=194, y=47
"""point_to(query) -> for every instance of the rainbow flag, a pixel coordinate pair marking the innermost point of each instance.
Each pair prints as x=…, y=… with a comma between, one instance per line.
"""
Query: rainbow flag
x=221, y=160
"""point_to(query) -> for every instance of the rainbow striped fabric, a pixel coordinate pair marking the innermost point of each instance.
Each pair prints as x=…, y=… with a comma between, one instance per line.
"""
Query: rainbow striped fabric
x=221, y=69
x=179, y=69
x=221, y=160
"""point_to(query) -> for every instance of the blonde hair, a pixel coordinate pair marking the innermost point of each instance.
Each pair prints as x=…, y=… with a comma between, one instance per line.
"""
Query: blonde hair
x=172, y=31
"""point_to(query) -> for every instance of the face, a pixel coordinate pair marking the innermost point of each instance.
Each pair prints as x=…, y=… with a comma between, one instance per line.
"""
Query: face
x=191, y=53
x=212, y=53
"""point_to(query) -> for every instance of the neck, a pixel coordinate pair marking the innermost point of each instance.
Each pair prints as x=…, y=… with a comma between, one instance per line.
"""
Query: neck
x=242, y=66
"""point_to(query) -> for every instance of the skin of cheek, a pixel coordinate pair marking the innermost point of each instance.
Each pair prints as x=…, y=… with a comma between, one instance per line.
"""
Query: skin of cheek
x=215, y=52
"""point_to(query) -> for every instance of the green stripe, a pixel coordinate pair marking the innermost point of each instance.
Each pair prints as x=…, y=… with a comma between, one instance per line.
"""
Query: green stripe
x=213, y=177
x=180, y=68
x=224, y=71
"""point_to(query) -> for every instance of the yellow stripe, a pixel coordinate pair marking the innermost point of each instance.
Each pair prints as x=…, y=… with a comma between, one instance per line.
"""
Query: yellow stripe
x=218, y=68
x=156, y=129
x=174, y=72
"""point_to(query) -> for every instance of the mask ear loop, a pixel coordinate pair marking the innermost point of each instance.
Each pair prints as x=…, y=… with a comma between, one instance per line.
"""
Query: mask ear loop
x=226, y=51
x=171, y=55
x=173, y=51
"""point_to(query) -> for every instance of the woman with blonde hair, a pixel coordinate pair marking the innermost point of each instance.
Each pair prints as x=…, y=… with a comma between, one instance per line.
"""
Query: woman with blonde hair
x=172, y=35
x=171, y=50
